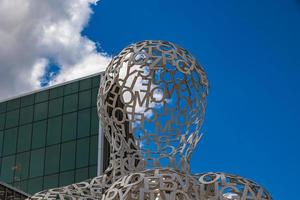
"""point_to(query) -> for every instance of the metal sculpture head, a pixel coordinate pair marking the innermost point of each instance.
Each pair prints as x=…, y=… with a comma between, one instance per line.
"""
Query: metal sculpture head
x=151, y=105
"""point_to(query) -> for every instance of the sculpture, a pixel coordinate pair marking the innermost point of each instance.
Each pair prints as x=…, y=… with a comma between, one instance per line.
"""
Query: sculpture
x=151, y=105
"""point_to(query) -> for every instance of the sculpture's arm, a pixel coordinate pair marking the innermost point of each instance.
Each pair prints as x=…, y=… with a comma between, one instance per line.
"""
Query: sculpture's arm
x=87, y=190
x=219, y=185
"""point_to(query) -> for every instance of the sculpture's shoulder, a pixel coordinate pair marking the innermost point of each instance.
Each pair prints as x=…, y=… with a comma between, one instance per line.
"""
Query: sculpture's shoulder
x=229, y=186
x=91, y=189
x=168, y=184
x=153, y=184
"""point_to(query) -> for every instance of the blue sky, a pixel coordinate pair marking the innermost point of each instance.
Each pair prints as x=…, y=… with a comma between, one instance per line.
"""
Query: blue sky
x=250, y=51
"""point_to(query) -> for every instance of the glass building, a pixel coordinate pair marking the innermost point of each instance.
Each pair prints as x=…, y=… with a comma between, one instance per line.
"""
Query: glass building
x=50, y=138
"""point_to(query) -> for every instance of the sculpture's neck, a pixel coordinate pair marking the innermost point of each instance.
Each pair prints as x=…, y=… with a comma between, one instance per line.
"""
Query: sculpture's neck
x=175, y=161
x=123, y=163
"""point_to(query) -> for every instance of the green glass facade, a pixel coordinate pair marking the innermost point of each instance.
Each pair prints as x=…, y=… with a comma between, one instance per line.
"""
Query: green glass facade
x=50, y=138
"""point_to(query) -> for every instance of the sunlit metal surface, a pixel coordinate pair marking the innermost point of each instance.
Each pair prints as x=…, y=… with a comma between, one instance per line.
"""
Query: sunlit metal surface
x=170, y=184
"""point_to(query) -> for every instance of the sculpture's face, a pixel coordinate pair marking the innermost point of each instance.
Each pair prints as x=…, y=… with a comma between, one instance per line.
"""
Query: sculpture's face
x=152, y=100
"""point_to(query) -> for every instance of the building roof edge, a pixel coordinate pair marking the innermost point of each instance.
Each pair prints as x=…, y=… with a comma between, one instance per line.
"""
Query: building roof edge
x=50, y=87
x=14, y=189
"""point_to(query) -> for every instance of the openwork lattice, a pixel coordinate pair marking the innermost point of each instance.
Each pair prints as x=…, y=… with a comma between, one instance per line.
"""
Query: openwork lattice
x=161, y=184
x=151, y=104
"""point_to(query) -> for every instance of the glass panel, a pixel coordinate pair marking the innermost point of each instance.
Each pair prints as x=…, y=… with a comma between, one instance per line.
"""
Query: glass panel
x=13, y=104
x=12, y=119
x=82, y=152
x=40, y=111
x=10, y=141
x=69, y=126
x=93, y=150
x=71, y=88
x=67, y=156
x=1, y=142
x=39, y=134
x=2, y=121
x=27, y=100
x=2, y=107
x=85, y=84
x=82, y=174
x=56, y=92
x=70, y=103
x=41, y=96
x=16, y=185
x=54, y=130
x=85, y=99
x=52, y=159
x=94, y=96
x=22, y=166
x=37, y=163
x=84, y=123
x=26, y=115
x=7, y=169
x=66, y=178
x=94, y=122
x=35, y=185
x=96, y=81
x=51, y=181
x=92, y=171
x=23, y=186
x=55, y=107
x=24, y=138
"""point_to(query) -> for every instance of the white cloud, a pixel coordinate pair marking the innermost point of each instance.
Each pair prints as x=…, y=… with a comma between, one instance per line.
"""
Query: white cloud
x=35, y=32
x=37, y=72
